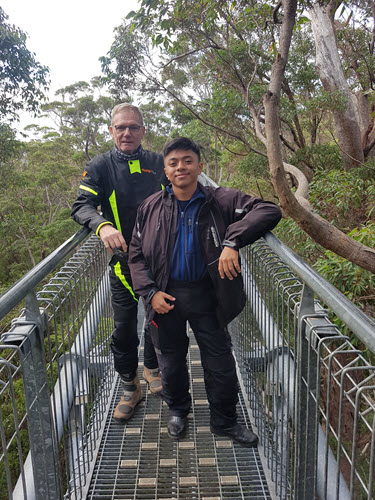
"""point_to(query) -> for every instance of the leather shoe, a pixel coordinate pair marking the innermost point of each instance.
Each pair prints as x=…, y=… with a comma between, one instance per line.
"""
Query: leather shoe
x=239, y=433
x=176, y=427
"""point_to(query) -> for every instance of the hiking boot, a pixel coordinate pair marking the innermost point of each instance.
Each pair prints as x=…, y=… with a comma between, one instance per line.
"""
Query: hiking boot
x=131, y=396
x=153, y=378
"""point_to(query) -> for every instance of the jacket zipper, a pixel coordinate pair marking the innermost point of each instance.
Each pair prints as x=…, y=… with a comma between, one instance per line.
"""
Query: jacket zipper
x=216, y=230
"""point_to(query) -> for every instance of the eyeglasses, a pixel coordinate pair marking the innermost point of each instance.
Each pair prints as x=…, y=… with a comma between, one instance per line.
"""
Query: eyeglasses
x=133, y=129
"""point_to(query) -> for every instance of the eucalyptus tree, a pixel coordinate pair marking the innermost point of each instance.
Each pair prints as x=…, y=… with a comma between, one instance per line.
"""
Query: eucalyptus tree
x=345, y=63
x=36, y=195
x=219, y=60
x=23, y=79
x=83, y=114
x=298, y=207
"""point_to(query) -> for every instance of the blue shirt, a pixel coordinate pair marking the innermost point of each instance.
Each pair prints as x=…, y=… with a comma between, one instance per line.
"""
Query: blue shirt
x=188, y=263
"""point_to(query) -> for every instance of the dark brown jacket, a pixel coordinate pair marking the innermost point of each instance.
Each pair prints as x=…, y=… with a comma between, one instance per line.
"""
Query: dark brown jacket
x=227, y=216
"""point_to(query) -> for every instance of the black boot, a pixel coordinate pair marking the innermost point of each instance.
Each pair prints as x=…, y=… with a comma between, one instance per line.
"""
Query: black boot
x=176, y=427
x=239, y=433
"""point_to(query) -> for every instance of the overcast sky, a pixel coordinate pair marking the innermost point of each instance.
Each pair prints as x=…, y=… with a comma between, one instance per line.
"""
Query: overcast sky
x=69, y=36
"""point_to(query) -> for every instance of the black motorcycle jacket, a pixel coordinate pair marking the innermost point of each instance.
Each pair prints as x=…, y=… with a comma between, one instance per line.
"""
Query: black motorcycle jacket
x=118, y=187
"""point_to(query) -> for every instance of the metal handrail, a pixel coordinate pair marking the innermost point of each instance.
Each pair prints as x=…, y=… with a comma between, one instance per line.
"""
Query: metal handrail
x=361, y=325
x=17, y=292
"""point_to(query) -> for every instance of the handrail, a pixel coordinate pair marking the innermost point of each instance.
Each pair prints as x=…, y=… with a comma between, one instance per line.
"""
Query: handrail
x=361, y=325
x=11, y=297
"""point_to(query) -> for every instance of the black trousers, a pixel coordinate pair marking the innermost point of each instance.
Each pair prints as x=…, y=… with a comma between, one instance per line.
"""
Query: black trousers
x=195, y=302
x=124, y=342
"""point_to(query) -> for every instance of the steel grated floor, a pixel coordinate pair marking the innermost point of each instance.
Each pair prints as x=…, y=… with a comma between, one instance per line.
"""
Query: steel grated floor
x=139, y=461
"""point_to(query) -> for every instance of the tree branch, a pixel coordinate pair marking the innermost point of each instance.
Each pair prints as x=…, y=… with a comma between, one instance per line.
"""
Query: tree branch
x=318, y=228
x=185, y=54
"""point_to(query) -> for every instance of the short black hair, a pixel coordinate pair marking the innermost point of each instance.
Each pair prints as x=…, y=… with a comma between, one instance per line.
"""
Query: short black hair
x=183, y=143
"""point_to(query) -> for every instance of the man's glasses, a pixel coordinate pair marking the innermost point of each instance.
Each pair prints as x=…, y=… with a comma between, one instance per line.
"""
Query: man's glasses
x=133, y=129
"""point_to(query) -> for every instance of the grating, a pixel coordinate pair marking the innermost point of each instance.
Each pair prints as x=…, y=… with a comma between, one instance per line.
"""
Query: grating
x=139, y=461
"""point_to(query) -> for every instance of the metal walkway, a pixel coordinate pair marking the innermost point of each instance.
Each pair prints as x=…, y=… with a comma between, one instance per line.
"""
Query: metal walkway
x=309, y=391
x=139, y=461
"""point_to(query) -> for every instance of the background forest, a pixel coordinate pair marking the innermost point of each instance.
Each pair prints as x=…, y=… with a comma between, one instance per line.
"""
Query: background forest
x=280, y=96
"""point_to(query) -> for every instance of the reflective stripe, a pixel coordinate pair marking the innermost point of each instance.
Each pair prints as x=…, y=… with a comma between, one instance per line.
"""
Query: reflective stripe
x=112, y=201
x=119, y=274
x=134, y=166
x=85, y=188
x=100, y=225
x=239, y=210
x=162, y=186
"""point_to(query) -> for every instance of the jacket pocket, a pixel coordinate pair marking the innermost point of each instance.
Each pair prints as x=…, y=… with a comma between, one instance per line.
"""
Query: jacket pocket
x=119, y=256
x=230, y=294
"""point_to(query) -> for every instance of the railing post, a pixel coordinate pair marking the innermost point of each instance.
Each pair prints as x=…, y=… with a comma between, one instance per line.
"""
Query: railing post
x=28, y=333
x=305, y=405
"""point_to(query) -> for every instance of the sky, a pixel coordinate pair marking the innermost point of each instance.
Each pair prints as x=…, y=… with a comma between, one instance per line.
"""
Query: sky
x=67, y=36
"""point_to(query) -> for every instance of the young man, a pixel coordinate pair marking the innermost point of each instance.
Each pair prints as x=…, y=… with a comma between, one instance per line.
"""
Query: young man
x=118, y=181
x=184, y=260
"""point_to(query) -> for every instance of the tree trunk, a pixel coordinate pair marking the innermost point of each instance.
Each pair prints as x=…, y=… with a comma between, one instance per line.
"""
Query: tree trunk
x=25, y=240
x=331, y=74
x=319, y=229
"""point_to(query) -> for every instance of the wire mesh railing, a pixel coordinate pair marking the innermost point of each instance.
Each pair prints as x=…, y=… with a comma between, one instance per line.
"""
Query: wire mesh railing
x=56, y=379
x=311, y=391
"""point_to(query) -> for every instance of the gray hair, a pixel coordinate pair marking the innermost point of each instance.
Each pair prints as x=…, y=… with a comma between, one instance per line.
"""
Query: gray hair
x=125, y=106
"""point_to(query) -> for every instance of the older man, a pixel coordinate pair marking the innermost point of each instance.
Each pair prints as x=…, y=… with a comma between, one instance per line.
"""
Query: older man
x=118, y=181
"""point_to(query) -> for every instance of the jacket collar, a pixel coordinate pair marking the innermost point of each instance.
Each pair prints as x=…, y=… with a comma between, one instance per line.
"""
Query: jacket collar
x=199, y=192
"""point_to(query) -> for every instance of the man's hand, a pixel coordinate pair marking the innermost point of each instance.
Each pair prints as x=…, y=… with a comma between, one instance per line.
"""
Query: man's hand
x=112, y=238
x=229, y=265
x=159, y=303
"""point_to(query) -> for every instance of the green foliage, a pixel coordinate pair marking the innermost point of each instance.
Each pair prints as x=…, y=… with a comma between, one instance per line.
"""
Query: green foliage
x=356, y=283
x=22, y=78
x=355, y=42
x=8, y=421
x=347, y=199
x=248, y=173
x=8, y=145
x=227, y=106
x=321, y=157
x=158, y=125
x=35, y=200
x=124, y=62
x=296, y=239
x=82, y=118
x=323, y=101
